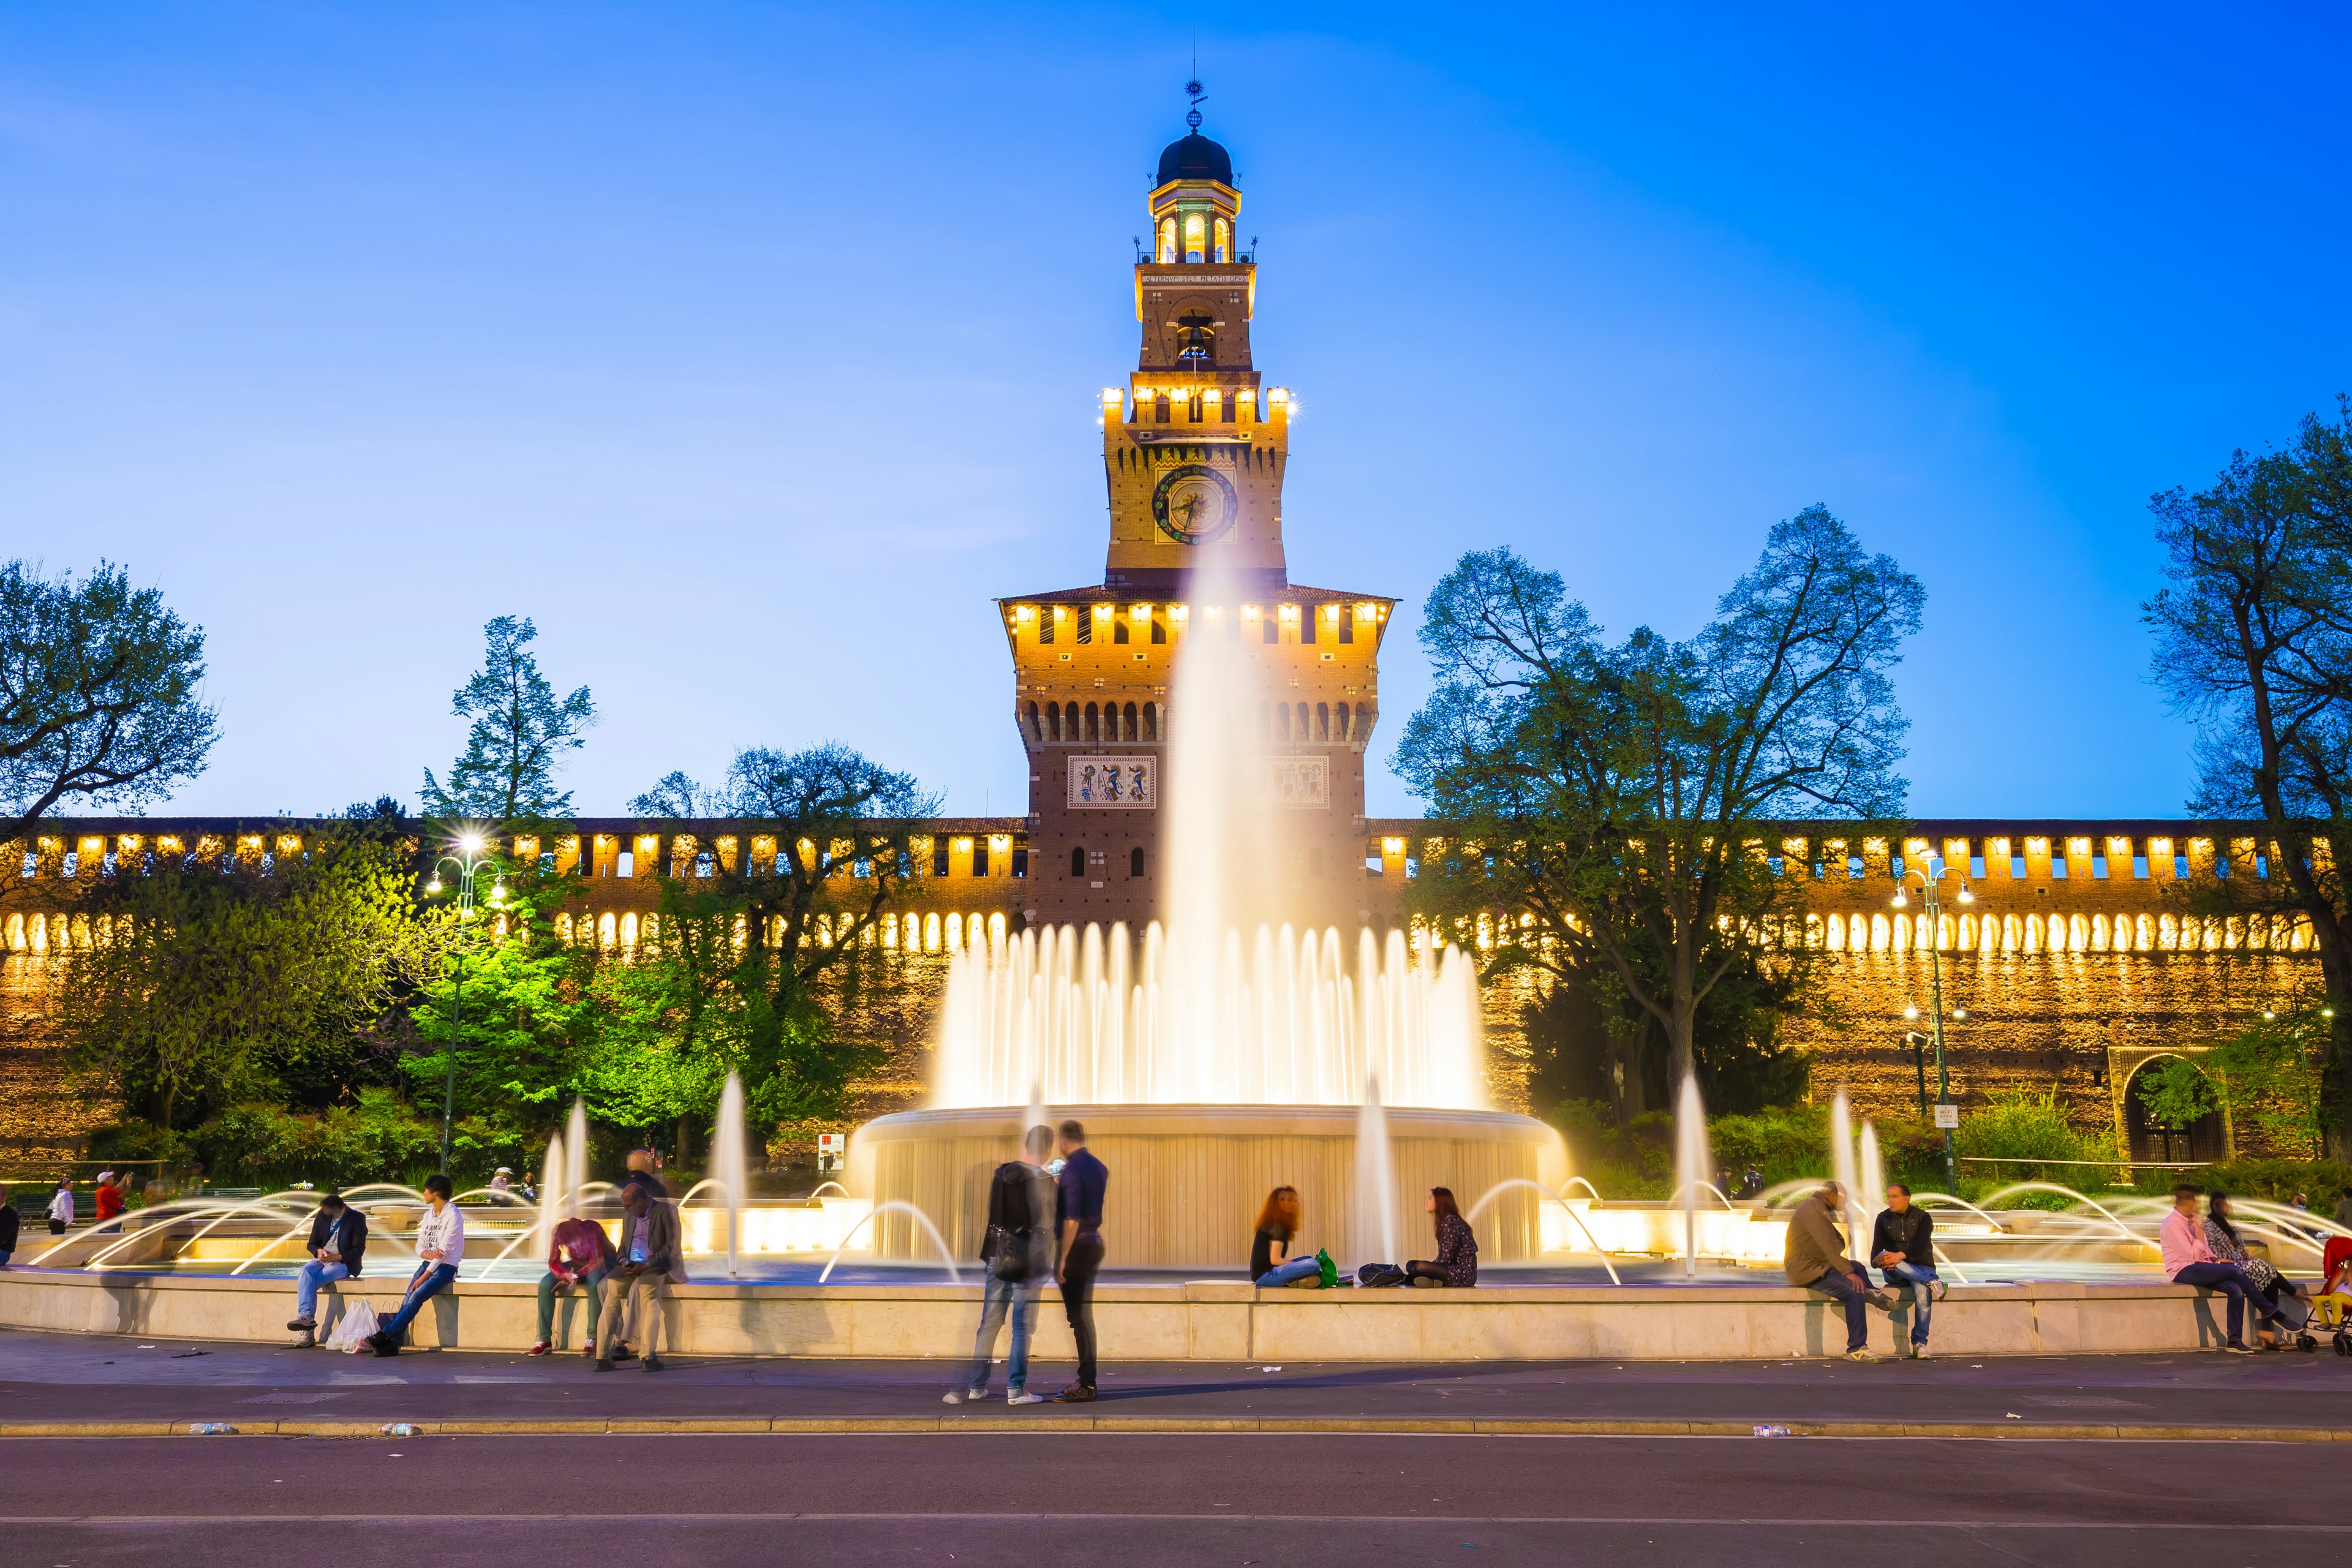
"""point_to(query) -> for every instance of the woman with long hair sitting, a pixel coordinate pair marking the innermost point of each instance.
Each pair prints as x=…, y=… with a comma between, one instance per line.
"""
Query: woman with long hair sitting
x=1273, y=1249
x=2222, y=1237
x=1457, y=1262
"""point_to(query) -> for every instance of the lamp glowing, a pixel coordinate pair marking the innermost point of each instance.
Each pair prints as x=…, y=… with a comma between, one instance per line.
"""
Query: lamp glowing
x=1911, y=1013
x=471, y=843
x=1900, y=901
x=1959, y=1012
x=1966, y=897
x=435, y=884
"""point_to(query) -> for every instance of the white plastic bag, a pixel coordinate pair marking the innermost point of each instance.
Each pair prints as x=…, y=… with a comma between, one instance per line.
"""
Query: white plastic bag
x=350, y=1335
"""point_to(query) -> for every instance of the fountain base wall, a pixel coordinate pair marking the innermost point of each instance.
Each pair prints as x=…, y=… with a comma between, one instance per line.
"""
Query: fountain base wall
x=1224, y=1322
x=1186, y=1181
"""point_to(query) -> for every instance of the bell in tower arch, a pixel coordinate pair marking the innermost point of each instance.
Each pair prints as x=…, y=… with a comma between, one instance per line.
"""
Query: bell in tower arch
x=1196, y=339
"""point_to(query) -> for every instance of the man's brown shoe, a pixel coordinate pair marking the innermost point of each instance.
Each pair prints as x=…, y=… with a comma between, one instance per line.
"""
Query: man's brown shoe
x=1076, y=1394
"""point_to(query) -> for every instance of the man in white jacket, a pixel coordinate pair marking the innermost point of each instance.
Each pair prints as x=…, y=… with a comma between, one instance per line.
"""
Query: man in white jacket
x=440, y=1245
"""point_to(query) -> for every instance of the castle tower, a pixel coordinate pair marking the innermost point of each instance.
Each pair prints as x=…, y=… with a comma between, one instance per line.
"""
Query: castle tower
x=1194, y=450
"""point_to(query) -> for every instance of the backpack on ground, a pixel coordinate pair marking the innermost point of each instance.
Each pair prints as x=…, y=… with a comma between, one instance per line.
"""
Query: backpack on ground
x=1331, y=1270
x=1379, y=1276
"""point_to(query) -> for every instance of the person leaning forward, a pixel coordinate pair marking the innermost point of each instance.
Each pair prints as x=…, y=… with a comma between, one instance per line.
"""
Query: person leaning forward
x=648, y=1253
x=1816, y=1260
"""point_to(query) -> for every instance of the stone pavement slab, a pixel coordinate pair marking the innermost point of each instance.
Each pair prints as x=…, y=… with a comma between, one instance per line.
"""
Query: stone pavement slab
x=51, y=1379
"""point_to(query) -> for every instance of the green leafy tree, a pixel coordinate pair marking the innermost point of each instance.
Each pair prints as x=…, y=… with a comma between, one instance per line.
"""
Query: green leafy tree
x=521, y=732
x=1624, y=795
x=98, y=695
x=2253, y=643
x=203, y=989
x=2266, y=1077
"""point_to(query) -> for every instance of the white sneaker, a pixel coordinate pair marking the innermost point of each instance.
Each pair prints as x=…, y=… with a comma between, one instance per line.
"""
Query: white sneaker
x=1022, y=1397
x=958, y=1395
x=1860, y=1355
x=1918, y=1352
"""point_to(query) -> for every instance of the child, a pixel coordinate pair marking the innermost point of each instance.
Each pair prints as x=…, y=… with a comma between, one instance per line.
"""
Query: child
x=2330, y=1300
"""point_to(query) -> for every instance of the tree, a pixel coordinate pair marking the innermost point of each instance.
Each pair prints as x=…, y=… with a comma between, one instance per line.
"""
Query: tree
x=845, y=849
x=97, y=694
x=1621, y=795
x=201, y=987
x=521, y=732
x=2253, y=646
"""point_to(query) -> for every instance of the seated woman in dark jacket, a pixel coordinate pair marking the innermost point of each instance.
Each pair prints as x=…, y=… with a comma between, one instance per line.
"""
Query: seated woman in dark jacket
x=1457, y=1262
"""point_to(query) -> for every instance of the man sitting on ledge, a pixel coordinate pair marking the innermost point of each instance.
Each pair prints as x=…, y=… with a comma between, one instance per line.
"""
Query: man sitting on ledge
x=1816, y=1260
x=338, y=1242
x=2189, y=1261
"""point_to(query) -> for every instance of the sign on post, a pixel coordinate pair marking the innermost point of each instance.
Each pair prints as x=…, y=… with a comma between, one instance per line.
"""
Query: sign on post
x=829, y=1148
x=1947, y=1115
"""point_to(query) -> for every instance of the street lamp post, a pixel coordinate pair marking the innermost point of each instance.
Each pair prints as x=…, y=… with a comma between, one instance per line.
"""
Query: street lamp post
x=1930, y=875
x=468, y=860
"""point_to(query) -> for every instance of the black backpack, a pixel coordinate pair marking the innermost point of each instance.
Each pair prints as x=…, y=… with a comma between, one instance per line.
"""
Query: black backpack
x=1379, y=1276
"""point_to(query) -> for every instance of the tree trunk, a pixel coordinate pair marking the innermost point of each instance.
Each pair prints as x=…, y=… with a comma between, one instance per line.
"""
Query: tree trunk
x=685, y=1140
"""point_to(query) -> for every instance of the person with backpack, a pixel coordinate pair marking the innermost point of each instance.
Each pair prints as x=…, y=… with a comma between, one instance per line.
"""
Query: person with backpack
x=1270, y=1259
x=338, y=1242
x=440, y=1245
x=1017, y=1254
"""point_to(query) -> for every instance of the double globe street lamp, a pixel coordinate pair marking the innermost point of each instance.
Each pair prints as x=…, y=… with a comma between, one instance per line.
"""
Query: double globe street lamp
x=1930, y=875
x=470, y=860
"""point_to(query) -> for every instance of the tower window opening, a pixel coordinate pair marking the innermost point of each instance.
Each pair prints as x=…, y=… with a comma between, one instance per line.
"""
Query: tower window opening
x=1225, y=241
x=1195, y=241
x=1158, y=630
x=1077, y=860
x=1020, y=862
x=980, y=856
x=1094, y=722
x=1342, y=716
x=1151, y=720
x=1046, y=626
x=1322, y=721
x=1135, y=861
x=939, y=856
x=1086, y=628
x=1281, y=720
x=1167, y=252
x=1127, y=717
x=1119, y=631
x=1347, y=627
x=1036, y=730
x=1306, y=624
x=1306, y=723
x=1269, y=630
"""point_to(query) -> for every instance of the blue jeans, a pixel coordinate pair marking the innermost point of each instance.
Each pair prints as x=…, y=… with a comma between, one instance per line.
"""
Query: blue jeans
x=2232, y=1282
x=1920, y=1280
x=1287, y=1273
x=1840, y=1285
x=312, y=1274
x=431, y=1280
x=996, y=1297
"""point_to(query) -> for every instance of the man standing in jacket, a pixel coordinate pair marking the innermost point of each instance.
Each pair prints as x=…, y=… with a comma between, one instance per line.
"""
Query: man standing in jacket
x=1078, y=1215
x=338, y=1242
x=1015, y=1255
x=581, y=1254
x=1815, y=1259
x=1903, y=1243
x=648, y=1253
x=440, y=1245
x=10, y=1223
x=2189, y=1261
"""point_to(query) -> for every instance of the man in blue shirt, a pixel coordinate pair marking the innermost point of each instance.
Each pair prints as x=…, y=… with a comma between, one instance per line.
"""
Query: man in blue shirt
x=1078, y=1210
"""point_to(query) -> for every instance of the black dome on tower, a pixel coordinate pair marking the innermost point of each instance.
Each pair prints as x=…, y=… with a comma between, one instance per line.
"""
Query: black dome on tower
x=1195, y=157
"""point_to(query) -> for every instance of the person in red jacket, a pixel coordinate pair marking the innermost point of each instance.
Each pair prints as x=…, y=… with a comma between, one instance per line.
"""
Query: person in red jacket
x=580, y=1253
x=111, y=1196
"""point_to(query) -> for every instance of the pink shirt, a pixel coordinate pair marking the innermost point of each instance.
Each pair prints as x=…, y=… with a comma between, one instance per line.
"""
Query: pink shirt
x=2182, y=1237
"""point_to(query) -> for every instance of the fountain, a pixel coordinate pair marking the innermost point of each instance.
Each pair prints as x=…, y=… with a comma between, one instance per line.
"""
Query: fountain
x=727, y=1167
x=1227, y=1047
x=1692, y=1165
x=1842, y=1169
x=1376, y=1195
x=1873, y=1194
x=576, y=1153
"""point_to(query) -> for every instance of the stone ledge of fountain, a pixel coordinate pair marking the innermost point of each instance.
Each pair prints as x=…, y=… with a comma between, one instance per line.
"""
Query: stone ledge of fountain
x=1204, y=1319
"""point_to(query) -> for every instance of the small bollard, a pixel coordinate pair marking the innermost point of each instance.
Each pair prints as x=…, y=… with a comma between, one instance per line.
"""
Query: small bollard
x=211, y=1429
x=1771, y=1431
x=400, y=1429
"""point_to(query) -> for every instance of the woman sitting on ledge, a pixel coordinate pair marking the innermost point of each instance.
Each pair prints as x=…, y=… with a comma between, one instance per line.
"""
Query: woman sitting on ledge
x=1277, y=1228
x=1457, y=1251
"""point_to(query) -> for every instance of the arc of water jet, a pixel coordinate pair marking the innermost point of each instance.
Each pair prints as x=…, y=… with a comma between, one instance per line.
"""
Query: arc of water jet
x=282, y=1236
x=835, y=1186
x=1944, y=1259
x=98, y=1259
x=1509, y=1182
x=1676, y=1195
x=955, y=1276
x=2126, y=1231
x=1923, y=1195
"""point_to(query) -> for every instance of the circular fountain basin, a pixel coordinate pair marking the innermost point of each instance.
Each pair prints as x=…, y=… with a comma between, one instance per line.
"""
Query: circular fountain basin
x=1187, y=1181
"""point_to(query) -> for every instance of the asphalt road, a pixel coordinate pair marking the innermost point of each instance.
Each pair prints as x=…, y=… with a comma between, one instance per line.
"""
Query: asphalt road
x=1244, y=1500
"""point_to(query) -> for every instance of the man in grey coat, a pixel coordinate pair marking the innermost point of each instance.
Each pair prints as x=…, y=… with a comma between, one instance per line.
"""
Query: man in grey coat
x=648, y=1253
x=1815, y=1257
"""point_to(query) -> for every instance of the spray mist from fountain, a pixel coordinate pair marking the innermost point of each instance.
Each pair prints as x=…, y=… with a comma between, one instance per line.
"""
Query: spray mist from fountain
x=728, y=1165
x=1842, y=1168
x=1376, y=1194
x=1693, y=1165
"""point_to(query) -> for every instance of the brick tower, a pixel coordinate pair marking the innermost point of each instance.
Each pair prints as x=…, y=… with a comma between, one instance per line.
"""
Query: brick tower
x=1194, y=454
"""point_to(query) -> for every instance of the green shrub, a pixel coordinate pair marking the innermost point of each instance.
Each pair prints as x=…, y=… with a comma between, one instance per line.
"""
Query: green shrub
x=2276, y=1180
x=378, y=1137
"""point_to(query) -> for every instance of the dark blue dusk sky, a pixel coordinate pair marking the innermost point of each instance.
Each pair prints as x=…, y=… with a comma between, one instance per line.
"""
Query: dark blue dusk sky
x=751, y=350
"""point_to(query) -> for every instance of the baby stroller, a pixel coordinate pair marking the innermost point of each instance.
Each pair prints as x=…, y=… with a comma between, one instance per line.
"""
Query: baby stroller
x=2338, y=1252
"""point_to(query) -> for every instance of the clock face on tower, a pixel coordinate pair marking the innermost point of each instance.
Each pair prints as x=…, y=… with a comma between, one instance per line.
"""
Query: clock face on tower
x=1195, y=504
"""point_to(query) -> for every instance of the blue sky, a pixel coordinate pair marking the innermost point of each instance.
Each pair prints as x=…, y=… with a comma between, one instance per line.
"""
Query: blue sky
x=750, y=350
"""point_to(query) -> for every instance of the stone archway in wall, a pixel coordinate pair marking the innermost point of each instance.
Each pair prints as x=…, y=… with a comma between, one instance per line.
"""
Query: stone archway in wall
x=2206, y=1139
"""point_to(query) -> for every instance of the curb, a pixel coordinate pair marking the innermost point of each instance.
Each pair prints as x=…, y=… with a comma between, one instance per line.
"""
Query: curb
x=1272, y=1426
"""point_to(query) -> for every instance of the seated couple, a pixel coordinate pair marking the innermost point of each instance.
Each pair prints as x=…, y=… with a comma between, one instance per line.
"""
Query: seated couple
x=1276, y=1258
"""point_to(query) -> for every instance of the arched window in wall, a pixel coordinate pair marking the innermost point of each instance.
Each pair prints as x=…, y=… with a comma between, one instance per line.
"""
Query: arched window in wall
x=1151, y=720
x=1196, y=236
x=1036, y=728
x=1094, y=722
x=1281, y=720
x=1128, y=732
x=1343, y=716
x=1077, y=860
x=1306, y=721
x=1322, y=721
x=1224, y=242
x=1167, y=249
x=1135, y=861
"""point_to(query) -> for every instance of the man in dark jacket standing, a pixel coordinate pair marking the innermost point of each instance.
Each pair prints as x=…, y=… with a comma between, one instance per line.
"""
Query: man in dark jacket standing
x=338, y=1243
x=1016, y=1253
x=10, y=1223
x=648, y=1253
x=1903, y=1244
x=1078, y=1214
